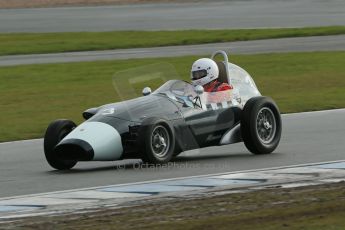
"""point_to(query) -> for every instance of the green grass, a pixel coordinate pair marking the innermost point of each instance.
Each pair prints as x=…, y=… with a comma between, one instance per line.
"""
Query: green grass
x=33, y=43
x=34, y=95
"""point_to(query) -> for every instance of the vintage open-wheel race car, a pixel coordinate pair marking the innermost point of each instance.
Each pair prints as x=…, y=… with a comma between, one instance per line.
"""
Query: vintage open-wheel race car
x=174, y=118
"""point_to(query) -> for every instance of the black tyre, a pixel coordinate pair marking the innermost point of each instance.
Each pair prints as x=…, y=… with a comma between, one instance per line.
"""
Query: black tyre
x=156, y=141
x=56, y=131
x=261, y=125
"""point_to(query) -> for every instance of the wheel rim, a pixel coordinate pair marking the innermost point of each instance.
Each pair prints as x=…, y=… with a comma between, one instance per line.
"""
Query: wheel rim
x=266, y=125
x=160, y=141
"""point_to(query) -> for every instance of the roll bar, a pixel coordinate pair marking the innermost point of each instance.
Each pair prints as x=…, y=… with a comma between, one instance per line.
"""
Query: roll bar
x=226, y=62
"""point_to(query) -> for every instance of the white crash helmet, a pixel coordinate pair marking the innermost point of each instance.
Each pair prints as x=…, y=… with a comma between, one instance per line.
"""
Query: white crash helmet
x=204, y=71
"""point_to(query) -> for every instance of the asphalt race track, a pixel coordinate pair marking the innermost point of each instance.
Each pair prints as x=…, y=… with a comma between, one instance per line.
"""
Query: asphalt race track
x=211, y=15
x=301, y=44
x=307, y=138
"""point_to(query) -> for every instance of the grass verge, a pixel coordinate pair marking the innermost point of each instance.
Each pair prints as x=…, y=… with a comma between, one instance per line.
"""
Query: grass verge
x=308, y=208
x=34, y=95
x=33, y=43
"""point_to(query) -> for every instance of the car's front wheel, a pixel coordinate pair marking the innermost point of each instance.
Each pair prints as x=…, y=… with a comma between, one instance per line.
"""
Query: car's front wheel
x=55, y=132
x=156, y=141
x=261, y=125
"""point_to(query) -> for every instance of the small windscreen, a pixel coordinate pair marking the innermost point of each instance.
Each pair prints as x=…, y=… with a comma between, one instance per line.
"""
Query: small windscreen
x=199, y=74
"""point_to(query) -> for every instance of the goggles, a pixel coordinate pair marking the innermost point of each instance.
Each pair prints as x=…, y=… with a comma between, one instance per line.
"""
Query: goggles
x=199, y=74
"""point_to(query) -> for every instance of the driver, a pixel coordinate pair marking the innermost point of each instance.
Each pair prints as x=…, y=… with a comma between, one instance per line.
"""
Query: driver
x=205, y=72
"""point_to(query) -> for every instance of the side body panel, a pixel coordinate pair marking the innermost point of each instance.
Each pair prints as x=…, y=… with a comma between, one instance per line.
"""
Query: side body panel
x=207, y=128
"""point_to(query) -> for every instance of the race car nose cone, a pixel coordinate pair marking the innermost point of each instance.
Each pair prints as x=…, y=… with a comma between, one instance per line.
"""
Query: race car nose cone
x=91, y=140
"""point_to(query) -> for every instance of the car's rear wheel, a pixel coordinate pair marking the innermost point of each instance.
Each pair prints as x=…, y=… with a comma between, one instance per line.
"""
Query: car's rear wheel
x=156, y=141
x=261, y=125
x=55, y=132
